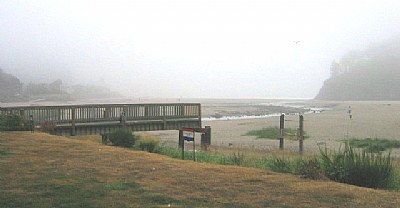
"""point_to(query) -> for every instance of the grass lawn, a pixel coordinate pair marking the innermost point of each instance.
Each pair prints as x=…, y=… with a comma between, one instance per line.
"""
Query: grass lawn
x=41, y=170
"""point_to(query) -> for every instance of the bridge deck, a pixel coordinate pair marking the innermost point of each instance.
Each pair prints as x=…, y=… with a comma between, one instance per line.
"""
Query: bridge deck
x=103, y=118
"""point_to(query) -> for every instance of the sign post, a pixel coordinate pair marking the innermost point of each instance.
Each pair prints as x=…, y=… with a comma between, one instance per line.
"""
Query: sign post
x=188, y=135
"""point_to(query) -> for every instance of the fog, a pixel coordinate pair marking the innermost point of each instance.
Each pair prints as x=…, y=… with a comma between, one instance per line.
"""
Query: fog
x=189, y=49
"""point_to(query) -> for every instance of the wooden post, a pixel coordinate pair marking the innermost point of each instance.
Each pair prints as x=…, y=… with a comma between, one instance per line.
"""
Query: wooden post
x=164, y=117
x=104, y=139
x=194, y=149
x=22, y=113
x=199, y=115
x=301, y=133
x=203, y=142
x=122, y=120
x=73, y=120
x=182, y=144
x=282, y=131
x=206, y=138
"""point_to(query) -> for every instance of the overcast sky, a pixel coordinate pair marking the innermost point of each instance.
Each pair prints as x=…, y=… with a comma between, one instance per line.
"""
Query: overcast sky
x=187, y=48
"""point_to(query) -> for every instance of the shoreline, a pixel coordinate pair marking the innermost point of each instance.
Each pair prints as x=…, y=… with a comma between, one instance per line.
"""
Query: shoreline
x=329, y=128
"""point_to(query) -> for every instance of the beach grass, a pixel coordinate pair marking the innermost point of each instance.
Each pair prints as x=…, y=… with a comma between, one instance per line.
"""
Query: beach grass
x=373, y=145
x=274, y=133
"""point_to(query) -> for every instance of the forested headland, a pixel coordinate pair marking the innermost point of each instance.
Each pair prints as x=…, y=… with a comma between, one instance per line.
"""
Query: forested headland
x=372, y=74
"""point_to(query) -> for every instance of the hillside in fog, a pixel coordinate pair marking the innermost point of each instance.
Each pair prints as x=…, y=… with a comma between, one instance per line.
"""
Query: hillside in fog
x=10, y=87
x=13, y=90
x=372, y=74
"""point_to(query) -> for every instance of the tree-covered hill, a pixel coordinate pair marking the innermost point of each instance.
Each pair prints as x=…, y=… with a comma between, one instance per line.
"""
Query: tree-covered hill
x=13, y=90
x=10, y=87
x=373, y=74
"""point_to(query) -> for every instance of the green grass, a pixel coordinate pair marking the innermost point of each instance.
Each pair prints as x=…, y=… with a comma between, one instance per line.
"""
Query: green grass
x=236, y=158
x=348, y=166
x=4, y=152
x=374, y=145
x=55, y=189
x=358, y=168
x=273, y=133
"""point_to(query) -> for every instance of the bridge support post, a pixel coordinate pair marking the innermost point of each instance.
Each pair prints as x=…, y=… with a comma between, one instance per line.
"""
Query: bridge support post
x=104, y=139
x=164, y=117
x=22, y=113
x=122, y=119
x=206, y=138
x=73, y=121
x=182, y=143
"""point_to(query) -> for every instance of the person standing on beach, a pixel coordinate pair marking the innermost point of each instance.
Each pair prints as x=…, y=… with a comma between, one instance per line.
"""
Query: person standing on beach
x=349, y=112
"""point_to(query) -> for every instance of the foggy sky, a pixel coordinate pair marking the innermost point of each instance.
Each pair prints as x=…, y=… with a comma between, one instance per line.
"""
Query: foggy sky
x=187, y=48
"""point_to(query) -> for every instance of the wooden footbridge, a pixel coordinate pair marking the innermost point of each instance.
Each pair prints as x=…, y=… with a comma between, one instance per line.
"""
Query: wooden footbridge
x=104, y=118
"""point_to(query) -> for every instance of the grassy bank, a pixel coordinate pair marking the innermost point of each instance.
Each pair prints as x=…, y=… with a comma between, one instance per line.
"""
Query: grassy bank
x=48, y=171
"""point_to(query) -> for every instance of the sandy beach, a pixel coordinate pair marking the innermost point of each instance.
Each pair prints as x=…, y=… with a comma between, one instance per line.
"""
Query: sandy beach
x=330, y=127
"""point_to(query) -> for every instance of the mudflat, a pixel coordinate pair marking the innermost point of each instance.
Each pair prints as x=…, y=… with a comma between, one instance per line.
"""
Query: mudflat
x=330, y=126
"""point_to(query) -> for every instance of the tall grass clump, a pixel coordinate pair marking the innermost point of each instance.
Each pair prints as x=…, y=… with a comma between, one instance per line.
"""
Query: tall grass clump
x=169, y=151
x=148, y=145
x=13, y=122
x=122, y=137
x=358, y=168
x=305, y=168
x=280, y=164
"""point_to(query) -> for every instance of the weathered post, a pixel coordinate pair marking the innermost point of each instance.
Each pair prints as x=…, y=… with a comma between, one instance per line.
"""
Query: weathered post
x=22, y=113
x=31, y=124
x=164, y=117
x=282, y=131
x=301, y=133
x=182, y=143
x=122, y=119
x=206, y=138
x=104, y=139
x=73, y=121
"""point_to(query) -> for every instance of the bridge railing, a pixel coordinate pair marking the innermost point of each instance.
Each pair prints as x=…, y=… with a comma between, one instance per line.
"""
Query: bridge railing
x=106, y=112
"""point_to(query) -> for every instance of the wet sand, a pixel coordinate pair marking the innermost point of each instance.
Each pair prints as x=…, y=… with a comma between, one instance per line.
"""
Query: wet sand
x=328, y=128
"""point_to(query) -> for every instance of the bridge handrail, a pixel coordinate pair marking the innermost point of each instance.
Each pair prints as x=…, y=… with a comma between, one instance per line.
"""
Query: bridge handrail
x=106, y=112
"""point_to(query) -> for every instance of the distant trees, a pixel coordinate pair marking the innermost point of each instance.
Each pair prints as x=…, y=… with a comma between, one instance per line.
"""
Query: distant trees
x=43, y=88
x=13, y=90
x=10, y=87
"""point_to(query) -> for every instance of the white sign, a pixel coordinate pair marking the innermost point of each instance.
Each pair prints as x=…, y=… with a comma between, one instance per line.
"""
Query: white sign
x=188, y=134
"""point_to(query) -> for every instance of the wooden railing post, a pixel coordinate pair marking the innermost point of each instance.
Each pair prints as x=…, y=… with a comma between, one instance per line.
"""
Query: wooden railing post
x=73, y=121
x=22, y=113
x=182, y=110
x=164, y=117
